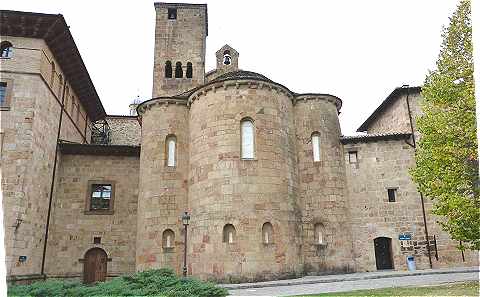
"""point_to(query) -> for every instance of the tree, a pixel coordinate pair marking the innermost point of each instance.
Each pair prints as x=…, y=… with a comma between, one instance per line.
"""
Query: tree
x=447, y=156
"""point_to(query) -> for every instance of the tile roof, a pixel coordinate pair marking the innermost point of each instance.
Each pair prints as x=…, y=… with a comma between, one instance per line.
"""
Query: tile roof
x=374, y=137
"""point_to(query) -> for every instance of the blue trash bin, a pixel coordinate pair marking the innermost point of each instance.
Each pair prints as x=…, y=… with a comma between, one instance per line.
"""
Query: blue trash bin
x=411, y=263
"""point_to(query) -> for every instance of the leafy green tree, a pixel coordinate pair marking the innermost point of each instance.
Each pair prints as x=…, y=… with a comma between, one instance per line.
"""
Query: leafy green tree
x=447, y=156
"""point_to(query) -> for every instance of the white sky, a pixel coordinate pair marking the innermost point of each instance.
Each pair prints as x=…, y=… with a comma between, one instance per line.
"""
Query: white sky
x=357, y=50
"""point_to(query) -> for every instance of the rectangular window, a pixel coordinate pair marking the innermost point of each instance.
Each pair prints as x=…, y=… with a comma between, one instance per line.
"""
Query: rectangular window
x=392, y=193
x=172, y=13
x=100, y=197
x=352, y=157
x=3, y=93
x=97, y=240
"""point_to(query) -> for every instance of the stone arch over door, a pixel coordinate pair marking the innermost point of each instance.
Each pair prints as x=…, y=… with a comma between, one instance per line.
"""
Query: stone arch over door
x=95, y=266
x=383, y=253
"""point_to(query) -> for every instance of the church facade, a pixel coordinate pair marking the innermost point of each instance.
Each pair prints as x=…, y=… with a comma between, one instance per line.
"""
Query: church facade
x=272, y=187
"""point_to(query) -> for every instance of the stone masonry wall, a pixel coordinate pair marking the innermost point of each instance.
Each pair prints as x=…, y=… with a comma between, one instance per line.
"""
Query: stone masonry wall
x=181, y=40
x=72, y=229
x=124, y=130
x=381, y=165
x=29, y=129
x=322, y=188
x=226, y=189
x=163, y=189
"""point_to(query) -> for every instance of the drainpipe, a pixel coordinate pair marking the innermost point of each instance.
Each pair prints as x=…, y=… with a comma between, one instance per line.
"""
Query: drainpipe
x=52, y=185
x=407, y=87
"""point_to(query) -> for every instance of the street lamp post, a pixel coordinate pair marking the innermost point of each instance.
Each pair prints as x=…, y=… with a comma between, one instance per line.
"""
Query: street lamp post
x=185, y=220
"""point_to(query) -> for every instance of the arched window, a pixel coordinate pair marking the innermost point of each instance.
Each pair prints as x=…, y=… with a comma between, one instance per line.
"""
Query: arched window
x=229, y=233
x=6, y=49
x=171, y=146
x=319, y=235
x=178, y=70
x=168, y=69
x=247, y=138
x=227, y=59
x=60, y=83
x=52, y=75
x=316, y=146
x=267, y=233
x=168, y=239
x=189, y=70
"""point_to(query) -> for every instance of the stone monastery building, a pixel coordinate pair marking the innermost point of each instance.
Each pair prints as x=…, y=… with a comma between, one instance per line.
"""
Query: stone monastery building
x=273, y=188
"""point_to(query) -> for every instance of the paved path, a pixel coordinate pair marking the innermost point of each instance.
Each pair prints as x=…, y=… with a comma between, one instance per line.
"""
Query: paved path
x=354, y=281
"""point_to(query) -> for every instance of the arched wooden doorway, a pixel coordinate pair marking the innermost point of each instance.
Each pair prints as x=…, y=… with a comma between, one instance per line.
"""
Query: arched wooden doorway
x=95, y=266
x=383, y=253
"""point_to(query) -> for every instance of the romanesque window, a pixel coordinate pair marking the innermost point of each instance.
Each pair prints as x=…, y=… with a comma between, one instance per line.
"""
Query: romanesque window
x=100, y=198
x=189, y=70
x=172, y=13
x=52, y=74
x=392, y=193
x=178, y=70
x=168, y=69
x=316, y=146
x=171, y=146
x=168, y=239
x=319, y=235
x=6, y=49
x=267, y=233
x=229, y=233
x=247, y=139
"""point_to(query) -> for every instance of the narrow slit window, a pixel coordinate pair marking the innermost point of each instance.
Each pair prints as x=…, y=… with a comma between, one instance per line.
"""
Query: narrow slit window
x=168, y=239
x=229, y=233
x=316, y=147
x=267, y=232
x=171, y=150
x=189, y=70
x=178, y=70
x=248, y=138
x=392, y=193
x=319, y=234
x=168, y=69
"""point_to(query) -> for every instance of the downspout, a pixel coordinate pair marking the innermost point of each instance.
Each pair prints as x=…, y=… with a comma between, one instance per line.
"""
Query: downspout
x=421, y=195
x=52, y=185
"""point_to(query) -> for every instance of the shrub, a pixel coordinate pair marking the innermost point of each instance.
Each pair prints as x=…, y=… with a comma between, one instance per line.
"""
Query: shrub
x=156, y=282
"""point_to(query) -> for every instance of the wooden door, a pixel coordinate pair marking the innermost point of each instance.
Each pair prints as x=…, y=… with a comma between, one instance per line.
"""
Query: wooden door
x=383, y=253
x=95, y=266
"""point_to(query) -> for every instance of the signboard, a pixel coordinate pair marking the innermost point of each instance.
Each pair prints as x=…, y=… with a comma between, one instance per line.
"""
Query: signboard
x=405, y=236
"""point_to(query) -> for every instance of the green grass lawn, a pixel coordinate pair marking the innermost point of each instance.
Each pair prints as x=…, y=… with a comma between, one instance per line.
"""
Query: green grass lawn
x=458, y=289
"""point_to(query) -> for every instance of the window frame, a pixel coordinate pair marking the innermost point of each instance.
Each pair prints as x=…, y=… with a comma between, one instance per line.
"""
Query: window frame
x=394, y=191
x=88, y=201
x=254, y=142
x=316, y=134
x=167, y=150
x=8, y=93
x=165, y=234
x=355, y=153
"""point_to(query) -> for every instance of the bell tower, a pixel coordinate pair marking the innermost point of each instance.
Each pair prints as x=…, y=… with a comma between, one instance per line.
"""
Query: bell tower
x=227, y=59
x=180, y=40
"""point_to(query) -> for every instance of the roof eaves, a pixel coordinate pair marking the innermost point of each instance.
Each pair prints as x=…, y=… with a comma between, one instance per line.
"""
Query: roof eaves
x=374, y=137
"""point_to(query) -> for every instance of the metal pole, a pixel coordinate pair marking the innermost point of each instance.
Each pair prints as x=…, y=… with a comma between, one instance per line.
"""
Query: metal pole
x=185, y=254
x=421, y=195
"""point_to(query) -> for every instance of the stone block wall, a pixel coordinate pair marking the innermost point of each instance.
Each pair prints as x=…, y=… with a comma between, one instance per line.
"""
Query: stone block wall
x=124, y=130
x=29, y=130
x=226, y=189
x=179, y=40
x=322, y=188
x=163, y=190
x=382, y=165
x=72, y=229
